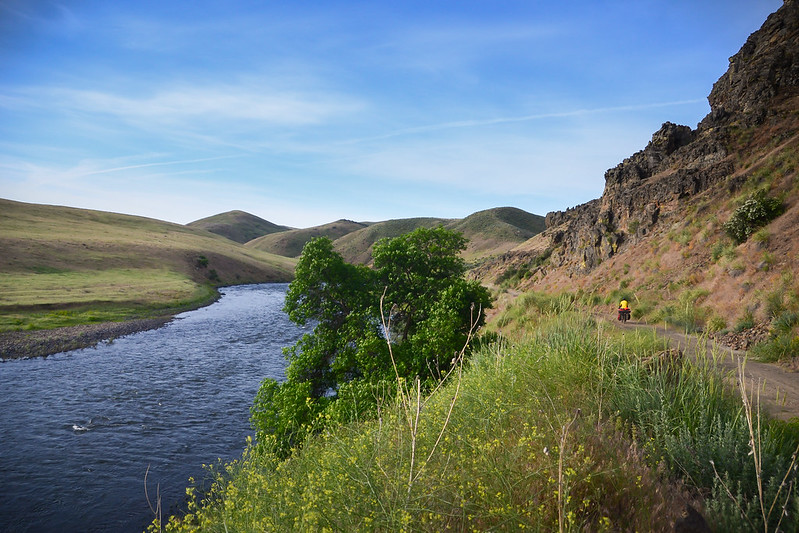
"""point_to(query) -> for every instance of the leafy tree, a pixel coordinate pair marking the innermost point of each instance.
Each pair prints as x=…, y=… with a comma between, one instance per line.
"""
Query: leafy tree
x=431, y=304
x=341, y=368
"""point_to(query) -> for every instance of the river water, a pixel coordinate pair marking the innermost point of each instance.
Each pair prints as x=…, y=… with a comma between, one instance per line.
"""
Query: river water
x=78, y=430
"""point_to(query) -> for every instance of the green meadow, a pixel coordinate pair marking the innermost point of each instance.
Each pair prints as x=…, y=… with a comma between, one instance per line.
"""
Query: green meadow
x=57, y=299
x=148, y=286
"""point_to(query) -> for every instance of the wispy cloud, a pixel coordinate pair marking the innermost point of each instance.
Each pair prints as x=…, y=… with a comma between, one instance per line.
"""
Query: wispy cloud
x=218, y=102
x=53, y=15
x=476, y=123
x=352, y=105
x=157, y=164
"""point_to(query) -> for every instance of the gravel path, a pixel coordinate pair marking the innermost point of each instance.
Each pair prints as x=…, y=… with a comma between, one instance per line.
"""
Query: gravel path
x=779, y=387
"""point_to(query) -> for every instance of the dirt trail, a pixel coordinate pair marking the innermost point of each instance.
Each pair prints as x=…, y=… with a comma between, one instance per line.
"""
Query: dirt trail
x=779, y=392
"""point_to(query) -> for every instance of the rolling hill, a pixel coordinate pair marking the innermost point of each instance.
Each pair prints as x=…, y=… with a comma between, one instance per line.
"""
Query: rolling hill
x=356, y=247
x=64, y=266
x=61, y=261
x=290, y=243
x=237, y=226
x=489, y=232
x=495, y=231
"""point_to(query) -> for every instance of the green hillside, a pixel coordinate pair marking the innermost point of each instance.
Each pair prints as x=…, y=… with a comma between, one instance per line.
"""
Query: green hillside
x=356, y=247
x=497, y=230
x=237, y=226
x=290, y=243
x=490, y=232
x=63, y=266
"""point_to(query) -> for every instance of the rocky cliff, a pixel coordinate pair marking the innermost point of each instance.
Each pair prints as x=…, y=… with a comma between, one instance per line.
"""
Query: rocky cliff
x=754, y=106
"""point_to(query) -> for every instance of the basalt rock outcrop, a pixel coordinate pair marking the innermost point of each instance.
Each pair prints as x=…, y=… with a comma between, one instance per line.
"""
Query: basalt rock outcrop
x=760, y=89
x=762, y=76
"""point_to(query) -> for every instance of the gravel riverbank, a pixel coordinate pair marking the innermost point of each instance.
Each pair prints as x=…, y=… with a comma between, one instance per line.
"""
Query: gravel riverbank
x=38, y=343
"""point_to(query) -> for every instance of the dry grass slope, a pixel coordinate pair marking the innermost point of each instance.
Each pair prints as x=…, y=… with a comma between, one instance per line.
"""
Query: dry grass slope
x=60, y=258
x=490, y=232
x=290, y=243
x=356, y=247
x=237, y=226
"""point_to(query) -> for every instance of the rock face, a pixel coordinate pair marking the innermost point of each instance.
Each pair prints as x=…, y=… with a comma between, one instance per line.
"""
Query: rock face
x=761, y=87
x=763, y=73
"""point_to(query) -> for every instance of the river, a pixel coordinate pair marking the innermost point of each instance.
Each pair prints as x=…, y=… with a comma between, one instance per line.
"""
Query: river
x=80, y=429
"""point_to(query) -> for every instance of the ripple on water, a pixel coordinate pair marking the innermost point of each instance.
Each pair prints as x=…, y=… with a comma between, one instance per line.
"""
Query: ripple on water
x=81, y=428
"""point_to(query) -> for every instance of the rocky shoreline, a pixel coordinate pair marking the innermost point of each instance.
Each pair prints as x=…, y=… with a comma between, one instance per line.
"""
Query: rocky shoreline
x=41, y=343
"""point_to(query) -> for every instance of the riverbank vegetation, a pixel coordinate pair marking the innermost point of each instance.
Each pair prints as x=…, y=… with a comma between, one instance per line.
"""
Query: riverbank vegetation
x=563, y=424
x=404, y=319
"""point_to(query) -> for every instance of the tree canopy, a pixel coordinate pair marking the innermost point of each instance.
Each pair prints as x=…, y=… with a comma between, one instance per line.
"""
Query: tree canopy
x=340, y=366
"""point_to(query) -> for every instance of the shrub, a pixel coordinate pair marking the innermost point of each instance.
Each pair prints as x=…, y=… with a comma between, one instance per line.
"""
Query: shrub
x=664, y=314
x=768, y=261
x=756, y=211
x=747, y=321
x=716, y=323
x=784, y=341
x=786, y=322
x=762, y=236
x=684, y=237
x=722, y=249
x=591, y=299
x=642, y=309
x=777, y=348
x=775, y=304
x=686, y=313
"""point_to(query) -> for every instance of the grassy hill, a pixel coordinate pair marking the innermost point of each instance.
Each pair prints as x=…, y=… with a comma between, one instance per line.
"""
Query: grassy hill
x=237, y=226
x=356, y=247
x=490, y=232
x=495, y=231
x=290, y=243
x=63, y=266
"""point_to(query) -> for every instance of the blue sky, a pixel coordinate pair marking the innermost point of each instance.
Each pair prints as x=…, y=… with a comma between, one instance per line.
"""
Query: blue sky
x=306, y=112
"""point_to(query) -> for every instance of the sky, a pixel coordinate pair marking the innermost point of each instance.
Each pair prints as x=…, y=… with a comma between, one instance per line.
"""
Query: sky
x=305, y=112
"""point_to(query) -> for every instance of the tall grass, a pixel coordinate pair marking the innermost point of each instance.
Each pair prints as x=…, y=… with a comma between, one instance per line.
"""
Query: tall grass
x=782, y=308
x=686, y=313
x=566, y=426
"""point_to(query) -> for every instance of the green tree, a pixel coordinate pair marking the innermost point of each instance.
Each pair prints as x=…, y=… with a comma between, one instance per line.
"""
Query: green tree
x=342, y=366
x=432, y=307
